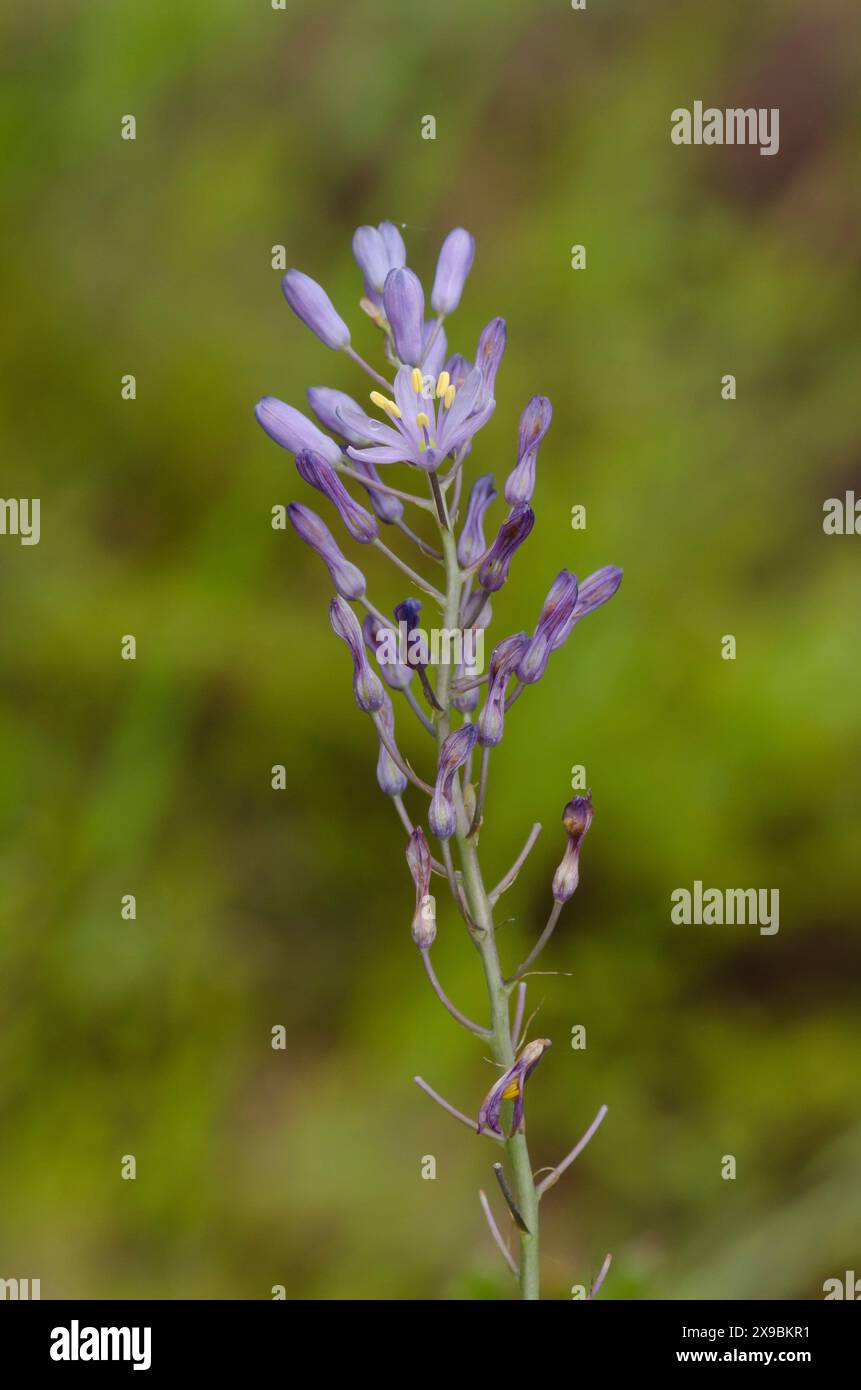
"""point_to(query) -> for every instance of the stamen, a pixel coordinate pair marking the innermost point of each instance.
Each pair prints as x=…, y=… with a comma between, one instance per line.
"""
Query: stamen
x=443, y=382
x=512, y=1090
x=417, y=380
x=385, y=404
x=422, y=420
x=449, y=397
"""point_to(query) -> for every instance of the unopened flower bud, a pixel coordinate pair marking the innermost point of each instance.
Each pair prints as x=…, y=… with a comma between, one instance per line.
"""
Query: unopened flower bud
x=491, y=348
x=534, y=424
x=293, y=430
x=556, y=612
x=367, y=686
x=313, y=306
x=452, y=755
x=404, y=302
x=471, y=544
x=593, y=592
x=503, y=663
x=453, y=266
x=315, y=471
x=493, y=570
x=390, y=778
x=347, y=578
x=576, y=818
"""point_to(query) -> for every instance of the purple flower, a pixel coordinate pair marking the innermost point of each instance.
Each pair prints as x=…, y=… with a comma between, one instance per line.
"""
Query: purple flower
x=510, y=1087
x=433, y=361
x=327, y=404
x=555, y=614
x=377, y=251
x=597, y=589
x=534, y=424
x=348, y=580
x=471, y=544
x=493, y=570
x=503, y=662
x=458, y=368
x=453, y=266
x=408, y=612
x=390, y=779
x=404, y=303
x=313, y=306
x=396, y=674
x=367, y=686
x=315, y=471
x=423, y=432
x=577, y=817
x=453, y=754
x=293, y=430
x=491, y=347
x=424, y=917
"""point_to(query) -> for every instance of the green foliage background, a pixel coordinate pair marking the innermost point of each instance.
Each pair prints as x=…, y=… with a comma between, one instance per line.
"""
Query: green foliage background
x=257, y=127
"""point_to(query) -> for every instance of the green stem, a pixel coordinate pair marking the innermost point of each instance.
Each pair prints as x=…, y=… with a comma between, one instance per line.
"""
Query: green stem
x=481, y=911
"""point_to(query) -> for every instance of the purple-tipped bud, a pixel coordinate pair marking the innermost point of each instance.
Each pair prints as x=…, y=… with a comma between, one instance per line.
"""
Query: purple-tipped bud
x=453, y=266
x=387, y=507
x=503, y=663
x=510, y=1086
x=491, y=347
x=348, y=580
x=408, y=612
x=382, y=640
x=432, y=362
x=313, y=306
x=452, y=755
x=372, y=256
x=314, y=470
x=293, y=430
x=471, y=544
x=534, y=424
x=555, y=614
x=597, y=589
x=577, y=817
x=458, y=368
x=390, y=778
x=493, y=570
x=424, y=917
x=404, y=301
x=367, y=686
x=339, y=413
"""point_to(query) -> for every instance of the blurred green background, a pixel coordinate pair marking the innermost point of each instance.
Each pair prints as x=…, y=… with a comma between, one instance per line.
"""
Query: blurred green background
x=255, y=907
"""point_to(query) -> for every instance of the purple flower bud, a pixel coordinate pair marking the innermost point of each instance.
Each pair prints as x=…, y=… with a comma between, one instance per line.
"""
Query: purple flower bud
x=396, y=674
x=577, y=817
x=458, y=368
x=453, y=266
x=510, y=1087
x=534, y=424
x=328, y=405
x=491, y=347
x=293, y=430
x=467, y=702
x=313, y=306
x=594, y=591
x=493, y=570
x=394, y=244
x=503, y=663
x=387, y=507
x=404, y=301
x=315, y=471
x=348, y=580
x=424, y=917
x=471, y=544
x=367, y=686
x=390, y=779
x=555, y=614
x=372, y=257
x=432, y=363
x=408, y=612
x=452, y=755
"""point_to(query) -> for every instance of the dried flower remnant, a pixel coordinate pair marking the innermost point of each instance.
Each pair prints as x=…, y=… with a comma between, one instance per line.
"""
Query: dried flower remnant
x=510, y=1086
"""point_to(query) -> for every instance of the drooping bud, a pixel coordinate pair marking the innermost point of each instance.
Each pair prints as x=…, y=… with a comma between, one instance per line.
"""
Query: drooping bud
x=556, y=612
x=471, y=544
x=382, y=640
x=310, y=302
x=594, y=591
x=293, y=430
x=576, y=818
x=493, y=570
x=424, y=917
x=347, y=578
x=390, y=778
x=510, y=1086
x=314, y=470
x=453, y=754
x=534, y=424
x=404, y=301
x=453, y=266
x=503, y=663
x=367, y=686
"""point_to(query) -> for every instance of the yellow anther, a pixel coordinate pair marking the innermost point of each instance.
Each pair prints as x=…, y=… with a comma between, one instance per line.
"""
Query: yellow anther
x=512, y=1090
x=449, y=397
x=417, y=380
x=385, y=404
x=443, y=382
x=422, y=420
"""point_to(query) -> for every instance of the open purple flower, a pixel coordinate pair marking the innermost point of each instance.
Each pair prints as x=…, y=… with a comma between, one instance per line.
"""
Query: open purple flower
x=314, y=470
x=453, y=754
x=534, y=424
x=422, y=432
x=555, y=614
x=347, y=578
x=493, y=570
x=367, y=686
x=503, y=663
x=293, y=430
x=577, y=817
x=424, y=917
x=310, y=302
x=510, y=1086
x=471, y=544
